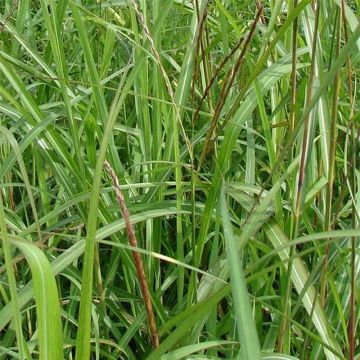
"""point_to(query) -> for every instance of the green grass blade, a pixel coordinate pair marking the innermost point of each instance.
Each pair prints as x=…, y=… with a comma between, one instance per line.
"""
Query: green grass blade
x=14, y=306
x=47, y=302
x=249, y=341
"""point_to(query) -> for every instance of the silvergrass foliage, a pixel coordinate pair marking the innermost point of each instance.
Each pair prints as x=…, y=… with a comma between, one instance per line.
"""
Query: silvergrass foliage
x=233, y=129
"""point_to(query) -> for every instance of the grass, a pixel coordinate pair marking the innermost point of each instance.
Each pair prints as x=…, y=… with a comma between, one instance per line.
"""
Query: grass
x=232, y=128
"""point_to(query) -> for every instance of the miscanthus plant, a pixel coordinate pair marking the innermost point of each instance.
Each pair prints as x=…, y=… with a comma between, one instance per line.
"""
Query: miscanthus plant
x=225, y=223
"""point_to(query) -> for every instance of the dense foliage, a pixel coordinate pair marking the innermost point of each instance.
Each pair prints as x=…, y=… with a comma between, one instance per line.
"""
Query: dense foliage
x=233, y=128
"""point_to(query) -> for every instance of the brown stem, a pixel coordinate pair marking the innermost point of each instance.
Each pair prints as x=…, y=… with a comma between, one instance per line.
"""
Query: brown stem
x=227, y=84
x=211, y=82
x=137, y=257
x=351, y=328
x=305, y=144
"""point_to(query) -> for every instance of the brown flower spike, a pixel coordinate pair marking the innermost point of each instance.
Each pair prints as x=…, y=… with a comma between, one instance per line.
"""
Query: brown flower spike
x=137, y=257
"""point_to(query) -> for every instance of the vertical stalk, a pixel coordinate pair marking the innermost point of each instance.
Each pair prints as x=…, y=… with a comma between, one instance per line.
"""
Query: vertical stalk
x=352, y=320
x=286, y=300
x=354, y=148
x=12, y=281
x=306, y=134
x=332, y=165
x=293, y=71
x=303, y=163
x=194, y=174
